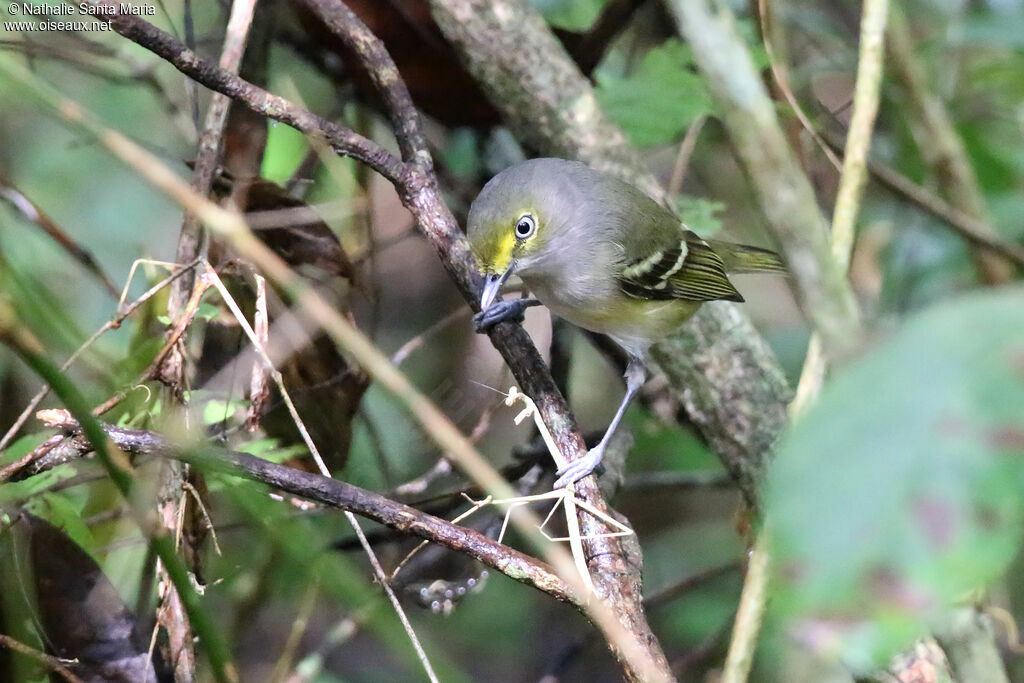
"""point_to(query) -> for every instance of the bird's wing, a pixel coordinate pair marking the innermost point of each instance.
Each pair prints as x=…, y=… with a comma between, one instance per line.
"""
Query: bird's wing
x=680, y=265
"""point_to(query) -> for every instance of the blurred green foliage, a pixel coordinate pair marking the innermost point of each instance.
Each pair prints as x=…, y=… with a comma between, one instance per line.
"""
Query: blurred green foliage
x=571, y=15
x=659, y=99
x=899, y=493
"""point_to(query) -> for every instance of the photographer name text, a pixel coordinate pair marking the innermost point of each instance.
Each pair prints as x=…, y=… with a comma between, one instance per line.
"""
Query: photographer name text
x=63, y=10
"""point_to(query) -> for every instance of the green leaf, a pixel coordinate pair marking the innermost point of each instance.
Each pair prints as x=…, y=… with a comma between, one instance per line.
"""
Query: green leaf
x=900, y=491
x=700, y=214
x=272, y=450
x=660, y=99
x=207, y=311
x=65, y=514
x=286, y=148
x=571, y=15
x=218, y=410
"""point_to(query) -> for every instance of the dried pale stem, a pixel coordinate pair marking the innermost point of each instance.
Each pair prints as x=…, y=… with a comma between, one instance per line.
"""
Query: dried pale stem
x=298, y=629
x=852, y=181
x=111, y=324
x=783, y=191
x=382, y=578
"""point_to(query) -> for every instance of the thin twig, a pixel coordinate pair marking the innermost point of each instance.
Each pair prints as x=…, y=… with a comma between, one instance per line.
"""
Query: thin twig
x=27, y=208
x=54, y=664
x=781, y=76
x=678, y=481
x=974, y=230
x=683, y=155
x=111, y=324
x=345, y=25
x=688, y=583
x=403, y=352
x=940, y=143
x=382, y=578
x=747, y=627
x=853, y=178
x=298, y=629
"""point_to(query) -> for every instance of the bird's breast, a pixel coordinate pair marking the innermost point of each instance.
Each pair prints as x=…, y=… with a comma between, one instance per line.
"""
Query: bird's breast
x=633, y=323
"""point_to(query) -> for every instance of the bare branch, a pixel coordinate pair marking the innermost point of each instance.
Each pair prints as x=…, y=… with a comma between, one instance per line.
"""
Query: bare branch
x=382, y=70
x=342, y=140
x=331, y=492
x=940, y=144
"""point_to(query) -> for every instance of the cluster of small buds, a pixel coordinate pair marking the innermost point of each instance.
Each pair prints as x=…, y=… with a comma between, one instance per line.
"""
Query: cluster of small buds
x=441, y=596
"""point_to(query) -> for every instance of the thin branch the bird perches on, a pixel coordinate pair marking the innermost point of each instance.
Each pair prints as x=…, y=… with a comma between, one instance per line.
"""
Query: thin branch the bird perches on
x=729, y=383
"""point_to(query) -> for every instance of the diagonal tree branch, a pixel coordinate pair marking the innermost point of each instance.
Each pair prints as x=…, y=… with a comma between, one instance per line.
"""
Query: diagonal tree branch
x=729, y=382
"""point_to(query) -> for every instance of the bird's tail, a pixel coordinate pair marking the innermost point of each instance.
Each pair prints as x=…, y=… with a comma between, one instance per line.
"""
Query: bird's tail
x=739, y=258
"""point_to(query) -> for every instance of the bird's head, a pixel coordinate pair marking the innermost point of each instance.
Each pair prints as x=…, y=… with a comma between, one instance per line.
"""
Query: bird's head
x=514, y=217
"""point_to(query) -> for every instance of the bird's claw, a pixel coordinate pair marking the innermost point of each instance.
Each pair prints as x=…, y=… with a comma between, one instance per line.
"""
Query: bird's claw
x=502, y=311
x=579, y=468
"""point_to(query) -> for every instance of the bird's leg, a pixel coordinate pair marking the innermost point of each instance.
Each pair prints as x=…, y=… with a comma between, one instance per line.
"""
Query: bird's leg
x=581, y=467
x=502, y=311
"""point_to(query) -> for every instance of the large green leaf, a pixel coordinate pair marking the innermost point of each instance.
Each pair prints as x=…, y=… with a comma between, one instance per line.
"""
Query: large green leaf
x=660, y=99
x=901, y=491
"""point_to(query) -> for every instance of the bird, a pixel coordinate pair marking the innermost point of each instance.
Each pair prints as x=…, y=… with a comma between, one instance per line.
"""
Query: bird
x=601, y=254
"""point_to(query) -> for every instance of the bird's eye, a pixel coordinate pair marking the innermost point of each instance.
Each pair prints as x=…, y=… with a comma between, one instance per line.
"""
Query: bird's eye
x=525, y=227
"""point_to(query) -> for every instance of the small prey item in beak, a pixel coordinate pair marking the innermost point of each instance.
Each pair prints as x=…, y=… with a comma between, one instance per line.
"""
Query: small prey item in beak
x=492, y=285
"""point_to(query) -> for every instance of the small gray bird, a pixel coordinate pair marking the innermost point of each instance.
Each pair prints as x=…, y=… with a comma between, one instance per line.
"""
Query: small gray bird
x=603, y=255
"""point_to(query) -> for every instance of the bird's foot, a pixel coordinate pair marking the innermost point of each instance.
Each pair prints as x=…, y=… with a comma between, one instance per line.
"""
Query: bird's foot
x=502, y=311
x=580, y=467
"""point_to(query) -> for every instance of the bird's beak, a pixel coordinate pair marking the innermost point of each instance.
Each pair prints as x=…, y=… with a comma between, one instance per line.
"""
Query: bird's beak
x=492, y=285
